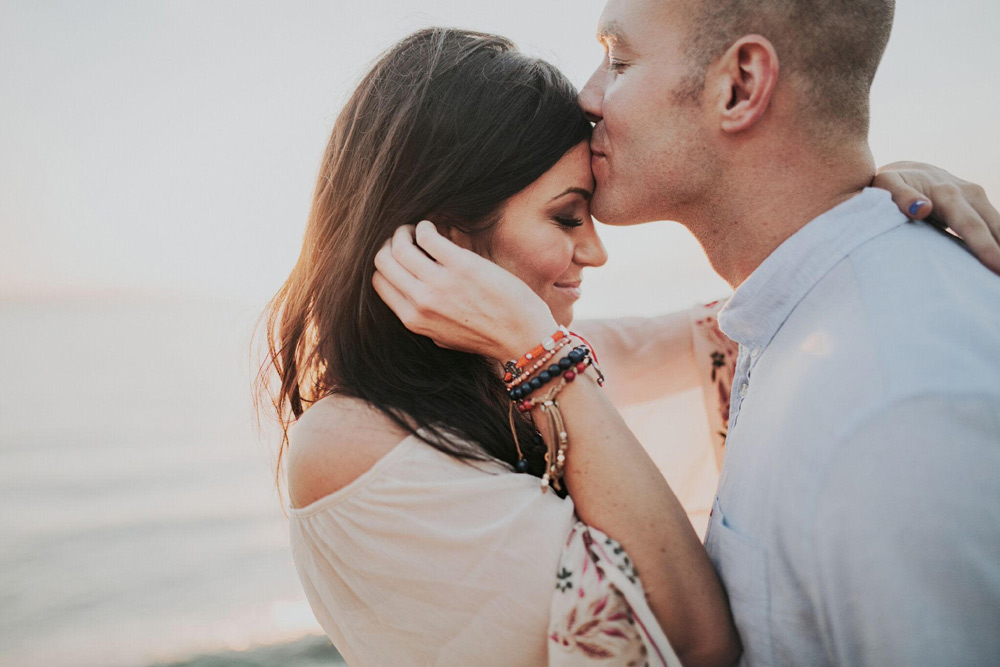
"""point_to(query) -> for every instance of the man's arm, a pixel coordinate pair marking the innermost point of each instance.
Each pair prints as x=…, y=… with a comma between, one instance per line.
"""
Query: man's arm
x=906, y=538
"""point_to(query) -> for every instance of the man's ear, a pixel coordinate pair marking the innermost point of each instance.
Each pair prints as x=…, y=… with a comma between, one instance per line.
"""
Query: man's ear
x=744, y=79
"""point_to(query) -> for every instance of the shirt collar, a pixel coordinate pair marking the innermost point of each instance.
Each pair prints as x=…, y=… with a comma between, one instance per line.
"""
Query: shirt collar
x=764, y=301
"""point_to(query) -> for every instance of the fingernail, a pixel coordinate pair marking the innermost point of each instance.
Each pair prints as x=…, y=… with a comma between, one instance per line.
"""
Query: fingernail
x=916, y=206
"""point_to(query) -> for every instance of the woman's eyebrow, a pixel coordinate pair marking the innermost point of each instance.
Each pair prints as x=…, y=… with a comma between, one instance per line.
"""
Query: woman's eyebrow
x=583, y=192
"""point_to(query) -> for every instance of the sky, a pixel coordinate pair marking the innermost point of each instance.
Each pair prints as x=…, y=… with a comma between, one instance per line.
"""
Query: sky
x=171, y=148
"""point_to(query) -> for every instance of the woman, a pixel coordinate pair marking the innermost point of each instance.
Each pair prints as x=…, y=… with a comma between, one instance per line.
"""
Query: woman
x=415, y=541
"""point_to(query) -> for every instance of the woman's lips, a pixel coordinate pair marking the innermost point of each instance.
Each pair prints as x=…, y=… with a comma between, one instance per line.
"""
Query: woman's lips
x=572, y=289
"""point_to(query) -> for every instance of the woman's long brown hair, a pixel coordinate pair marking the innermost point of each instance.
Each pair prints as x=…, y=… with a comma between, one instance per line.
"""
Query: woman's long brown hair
x=446, y=126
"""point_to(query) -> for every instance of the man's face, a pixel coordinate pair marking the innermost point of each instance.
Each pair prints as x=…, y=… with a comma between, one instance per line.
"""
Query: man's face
x=652, y=154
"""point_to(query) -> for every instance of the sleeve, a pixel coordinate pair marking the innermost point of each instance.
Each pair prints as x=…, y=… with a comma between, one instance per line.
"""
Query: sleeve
x=430, y=560
x=715, y=355
x=906, y=537
x=670, y=377
x=599, y=614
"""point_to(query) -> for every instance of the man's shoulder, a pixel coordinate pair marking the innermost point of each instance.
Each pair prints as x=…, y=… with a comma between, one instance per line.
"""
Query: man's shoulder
x=928, y=312
x=924, y=267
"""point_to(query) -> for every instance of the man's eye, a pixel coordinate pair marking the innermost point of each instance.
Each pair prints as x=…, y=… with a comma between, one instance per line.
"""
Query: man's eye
x=616, y=65
x=568, y=222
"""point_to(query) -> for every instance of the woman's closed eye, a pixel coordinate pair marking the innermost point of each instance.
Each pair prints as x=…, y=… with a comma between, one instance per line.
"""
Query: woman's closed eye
x=567, y=221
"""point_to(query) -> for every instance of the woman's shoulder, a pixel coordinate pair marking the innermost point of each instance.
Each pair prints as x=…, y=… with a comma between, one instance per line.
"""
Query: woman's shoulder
x=334, y=442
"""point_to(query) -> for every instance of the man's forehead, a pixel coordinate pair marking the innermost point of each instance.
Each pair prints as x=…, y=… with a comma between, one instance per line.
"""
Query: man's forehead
x=629, y=22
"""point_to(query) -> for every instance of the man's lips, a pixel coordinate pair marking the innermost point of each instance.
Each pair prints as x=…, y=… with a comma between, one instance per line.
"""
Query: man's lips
x=596, y=147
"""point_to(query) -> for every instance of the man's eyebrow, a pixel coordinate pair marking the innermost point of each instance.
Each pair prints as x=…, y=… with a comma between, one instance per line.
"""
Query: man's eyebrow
x=583, y=192
x=611, y=33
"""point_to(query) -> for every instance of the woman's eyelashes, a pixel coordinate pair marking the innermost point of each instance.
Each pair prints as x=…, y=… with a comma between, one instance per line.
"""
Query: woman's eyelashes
x=567, y=221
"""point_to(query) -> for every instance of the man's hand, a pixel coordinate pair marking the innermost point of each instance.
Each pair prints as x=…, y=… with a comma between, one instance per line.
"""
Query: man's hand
x=926, y=192
x=456, y=298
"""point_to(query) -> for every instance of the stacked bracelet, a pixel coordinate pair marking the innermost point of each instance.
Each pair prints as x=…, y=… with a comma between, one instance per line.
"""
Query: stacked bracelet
x=514, y=368
x=558, y=444
x=521, y=380
x=562, y=368
x=525, y=405
x=540, y=363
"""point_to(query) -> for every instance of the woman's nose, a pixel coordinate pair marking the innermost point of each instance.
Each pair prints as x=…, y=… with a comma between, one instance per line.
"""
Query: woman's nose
x=590, y=251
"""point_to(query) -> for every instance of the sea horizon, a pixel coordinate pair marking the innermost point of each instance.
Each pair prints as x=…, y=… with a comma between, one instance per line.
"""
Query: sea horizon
x=142, y=525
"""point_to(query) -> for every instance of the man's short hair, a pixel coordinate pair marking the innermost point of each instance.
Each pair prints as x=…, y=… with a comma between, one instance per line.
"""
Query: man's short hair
x=832, y=47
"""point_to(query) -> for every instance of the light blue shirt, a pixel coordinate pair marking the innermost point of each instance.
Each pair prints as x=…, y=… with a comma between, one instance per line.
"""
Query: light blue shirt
x=857, y=520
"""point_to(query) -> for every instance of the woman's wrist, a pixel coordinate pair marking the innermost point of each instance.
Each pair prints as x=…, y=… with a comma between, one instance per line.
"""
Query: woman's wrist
x=523, y=337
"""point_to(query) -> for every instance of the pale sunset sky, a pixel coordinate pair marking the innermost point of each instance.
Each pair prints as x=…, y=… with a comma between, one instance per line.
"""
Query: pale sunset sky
x=170, y=148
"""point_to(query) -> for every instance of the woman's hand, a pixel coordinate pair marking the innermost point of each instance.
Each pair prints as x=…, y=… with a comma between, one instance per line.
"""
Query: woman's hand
x=926, y=192
x=456, y=298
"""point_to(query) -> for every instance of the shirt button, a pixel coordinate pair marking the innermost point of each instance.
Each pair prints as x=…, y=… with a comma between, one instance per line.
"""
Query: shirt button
x=755, y=352
x=743, y=390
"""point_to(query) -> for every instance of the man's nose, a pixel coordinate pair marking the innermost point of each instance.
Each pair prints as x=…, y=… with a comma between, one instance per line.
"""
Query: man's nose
x=592, y=95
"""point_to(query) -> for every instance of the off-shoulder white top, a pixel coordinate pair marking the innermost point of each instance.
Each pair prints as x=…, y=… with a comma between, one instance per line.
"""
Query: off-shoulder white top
x=428, y=560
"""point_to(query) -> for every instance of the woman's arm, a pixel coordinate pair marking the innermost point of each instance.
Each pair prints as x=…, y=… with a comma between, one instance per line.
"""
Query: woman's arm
x=644, y=357
x=464, y=302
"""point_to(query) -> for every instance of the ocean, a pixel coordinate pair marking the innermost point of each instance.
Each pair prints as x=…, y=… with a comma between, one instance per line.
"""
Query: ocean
x=140, y=522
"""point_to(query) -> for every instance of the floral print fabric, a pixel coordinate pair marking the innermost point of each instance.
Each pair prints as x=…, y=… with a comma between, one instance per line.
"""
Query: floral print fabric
x=716, y=356
x=599, y=613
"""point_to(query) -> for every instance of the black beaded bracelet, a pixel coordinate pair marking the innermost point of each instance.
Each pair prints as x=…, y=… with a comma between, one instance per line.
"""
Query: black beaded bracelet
x=576, y=355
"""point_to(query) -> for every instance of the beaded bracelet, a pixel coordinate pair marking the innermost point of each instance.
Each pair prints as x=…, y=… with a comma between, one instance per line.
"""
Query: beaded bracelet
x=568, y=369
x=577, y=355
x=555, y=456
x=527, y=373
x=514, y=368
x=527, y=404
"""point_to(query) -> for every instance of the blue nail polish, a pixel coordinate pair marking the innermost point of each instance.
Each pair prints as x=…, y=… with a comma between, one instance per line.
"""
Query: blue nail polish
x=915, y=206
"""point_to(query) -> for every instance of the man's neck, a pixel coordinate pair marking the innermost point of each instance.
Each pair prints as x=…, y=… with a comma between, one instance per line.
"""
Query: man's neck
x=764, y=204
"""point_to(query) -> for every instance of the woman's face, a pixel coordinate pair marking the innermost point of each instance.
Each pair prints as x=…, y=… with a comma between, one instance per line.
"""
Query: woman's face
x=546, y=235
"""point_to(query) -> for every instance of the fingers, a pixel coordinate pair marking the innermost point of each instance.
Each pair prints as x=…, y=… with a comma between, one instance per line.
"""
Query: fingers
x=909, y=200
x=409, y=255
x=438, y=247
x=949, y=202
x=975, y=228
x=391, y=269
x=396, y=300
x=990, y=216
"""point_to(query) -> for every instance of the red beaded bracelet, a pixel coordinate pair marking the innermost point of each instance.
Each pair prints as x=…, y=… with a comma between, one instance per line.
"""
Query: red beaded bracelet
x=539, y=363
x=515, y=368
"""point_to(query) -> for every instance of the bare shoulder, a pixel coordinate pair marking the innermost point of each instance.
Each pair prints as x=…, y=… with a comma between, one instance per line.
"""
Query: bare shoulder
x=333, y=443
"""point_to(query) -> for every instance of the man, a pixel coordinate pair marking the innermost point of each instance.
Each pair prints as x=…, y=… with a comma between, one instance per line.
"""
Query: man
x=858, y=514
x=857, y=519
